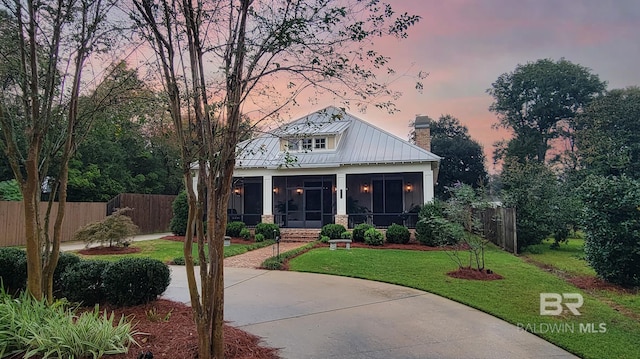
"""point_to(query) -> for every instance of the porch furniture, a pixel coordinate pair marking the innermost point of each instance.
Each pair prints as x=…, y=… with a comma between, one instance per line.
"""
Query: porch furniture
x=334, y=242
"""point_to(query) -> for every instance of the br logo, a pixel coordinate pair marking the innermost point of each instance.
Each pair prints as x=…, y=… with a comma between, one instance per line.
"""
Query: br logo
x=551, y=303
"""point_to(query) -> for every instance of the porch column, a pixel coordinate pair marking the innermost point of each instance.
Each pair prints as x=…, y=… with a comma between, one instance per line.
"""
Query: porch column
x=427, y=186
x=267, y=199
x=341, y=200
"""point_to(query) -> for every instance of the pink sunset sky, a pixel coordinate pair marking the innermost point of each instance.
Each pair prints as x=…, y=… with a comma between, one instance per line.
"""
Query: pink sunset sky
x=466, y=45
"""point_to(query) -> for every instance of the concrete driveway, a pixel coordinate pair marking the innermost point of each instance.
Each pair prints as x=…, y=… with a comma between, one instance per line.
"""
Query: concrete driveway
x=321, y=316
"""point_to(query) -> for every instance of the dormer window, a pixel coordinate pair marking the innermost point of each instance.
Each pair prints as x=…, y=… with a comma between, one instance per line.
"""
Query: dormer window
x=307, y=144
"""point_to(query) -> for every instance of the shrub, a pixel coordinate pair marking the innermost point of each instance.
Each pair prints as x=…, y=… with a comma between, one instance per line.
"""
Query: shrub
x=235, y=228
x=432, y=209
x=268, y=230
x=332, y=230
x=65, y=261
x=397, y=233
x=438, y=231
x=260, y=237
x=245, y=233
x=345, y=235
x=611, y=221
x=373, y=237
x=116, y=230
x=83, y=282
x=324, y=239
x=133, y=281
x=34, y=328
x=359, y=230
x=276, y=263
x=180, y=206
x=13, y=269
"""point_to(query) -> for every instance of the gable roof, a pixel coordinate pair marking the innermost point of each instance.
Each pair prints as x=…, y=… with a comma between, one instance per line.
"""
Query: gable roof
x=359, y=143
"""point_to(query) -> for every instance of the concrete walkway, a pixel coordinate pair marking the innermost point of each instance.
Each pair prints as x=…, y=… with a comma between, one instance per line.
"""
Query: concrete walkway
x=320, y=316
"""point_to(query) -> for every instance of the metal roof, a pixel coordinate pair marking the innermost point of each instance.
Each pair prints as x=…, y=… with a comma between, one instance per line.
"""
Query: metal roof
x=359, y=143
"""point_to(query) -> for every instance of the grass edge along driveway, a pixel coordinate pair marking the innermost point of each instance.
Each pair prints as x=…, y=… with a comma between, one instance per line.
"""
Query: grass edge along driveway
x=515, y=299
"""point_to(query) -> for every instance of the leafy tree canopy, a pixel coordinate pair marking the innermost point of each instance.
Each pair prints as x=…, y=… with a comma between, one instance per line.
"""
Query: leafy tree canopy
x=608, y=134
x=539, y=101
x=463, y=158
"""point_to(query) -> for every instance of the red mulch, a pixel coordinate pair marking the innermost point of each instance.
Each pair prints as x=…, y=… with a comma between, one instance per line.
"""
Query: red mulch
x=109, y=250
x=168, y=331
x=411, y=246
x=591, y=283
x=472, y=273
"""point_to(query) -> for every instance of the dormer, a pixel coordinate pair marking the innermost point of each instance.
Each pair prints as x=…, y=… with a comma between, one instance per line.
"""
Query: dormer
x=320, y=131
x=322, y=142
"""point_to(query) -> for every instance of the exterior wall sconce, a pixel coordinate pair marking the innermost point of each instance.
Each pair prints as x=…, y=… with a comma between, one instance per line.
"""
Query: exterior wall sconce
x=236, y=191
x=365, y=188
x=275, y=190
x=299, y=191
x=408, y=187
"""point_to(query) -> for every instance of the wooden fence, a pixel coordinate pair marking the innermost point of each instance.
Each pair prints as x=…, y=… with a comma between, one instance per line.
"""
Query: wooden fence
x=499, y=225
x=77, y=214
x=151, y=212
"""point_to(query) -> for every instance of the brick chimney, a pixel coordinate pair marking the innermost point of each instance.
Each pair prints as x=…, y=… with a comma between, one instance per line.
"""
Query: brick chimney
x=423, y=132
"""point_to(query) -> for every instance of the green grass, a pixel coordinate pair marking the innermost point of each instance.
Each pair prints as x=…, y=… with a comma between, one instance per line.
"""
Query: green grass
x=514, y=298
x=569, y=260
x=167, y=250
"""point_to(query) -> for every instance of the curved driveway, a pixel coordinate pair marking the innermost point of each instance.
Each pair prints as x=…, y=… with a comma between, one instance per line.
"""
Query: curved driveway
x=320, y=316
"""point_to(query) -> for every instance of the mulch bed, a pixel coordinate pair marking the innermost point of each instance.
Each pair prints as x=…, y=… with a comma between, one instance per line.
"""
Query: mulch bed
x=109, y=250
x=167, y=330
x=474, y=274
x=594, y=283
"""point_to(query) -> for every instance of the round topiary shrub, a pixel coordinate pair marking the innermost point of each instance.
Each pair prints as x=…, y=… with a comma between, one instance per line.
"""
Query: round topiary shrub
x=13, y=269
x=180, y=206
x=245, y=233
x=359, y=230
x=133, y=281
x=268, y=230
x=82, y=282
x=259, y=237
x=332, y=230
x=345, y=235
x=235, y=228
x=397, y=233
x=373, y=237
x=324, y=239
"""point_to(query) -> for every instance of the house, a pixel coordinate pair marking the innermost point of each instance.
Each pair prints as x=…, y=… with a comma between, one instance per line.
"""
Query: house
x=332, y=167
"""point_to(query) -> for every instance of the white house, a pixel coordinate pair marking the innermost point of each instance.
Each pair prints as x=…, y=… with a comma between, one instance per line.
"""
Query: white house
x=332, y=167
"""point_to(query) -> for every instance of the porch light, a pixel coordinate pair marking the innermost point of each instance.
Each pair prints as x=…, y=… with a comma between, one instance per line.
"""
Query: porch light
x=299, y=191
x=365, y=188
x=275, y=190
x=409, y=187
x=236, y=191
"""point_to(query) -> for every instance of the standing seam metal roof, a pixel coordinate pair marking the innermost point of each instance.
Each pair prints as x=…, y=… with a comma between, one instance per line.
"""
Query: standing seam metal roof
x=360, y=143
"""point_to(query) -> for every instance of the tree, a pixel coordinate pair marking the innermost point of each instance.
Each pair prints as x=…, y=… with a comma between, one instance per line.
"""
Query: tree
x=611, y=220
x=253, y=45
x=534, y=191
x=608, y=134
x=463, y=158
x=39, y=115
x=126, y=149
x=539, y=102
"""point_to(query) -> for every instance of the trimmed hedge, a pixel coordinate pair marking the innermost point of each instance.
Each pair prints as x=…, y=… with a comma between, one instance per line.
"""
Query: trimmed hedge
x=234, y=229
x=180, y=206
x=397, y=233
x=331, y=230
x=133, y=281
x=373, y=237
x=13, y=269
x=359, y=230
x=268, y=230
x=83, y=282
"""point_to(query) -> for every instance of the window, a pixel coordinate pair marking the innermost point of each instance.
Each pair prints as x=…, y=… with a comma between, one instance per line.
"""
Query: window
x=293, y=145
x=307, y=144
x=320, y=143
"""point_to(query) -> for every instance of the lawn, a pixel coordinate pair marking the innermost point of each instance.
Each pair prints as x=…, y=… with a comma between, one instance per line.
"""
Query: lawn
x=515, y=298
x=167, y=250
